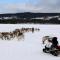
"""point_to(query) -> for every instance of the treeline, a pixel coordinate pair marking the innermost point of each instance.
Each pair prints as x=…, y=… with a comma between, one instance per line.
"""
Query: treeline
x=29, y=15
x=35, y=21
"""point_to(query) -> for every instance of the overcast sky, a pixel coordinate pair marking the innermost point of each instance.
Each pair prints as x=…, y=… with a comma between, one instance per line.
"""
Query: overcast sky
x=14, y=6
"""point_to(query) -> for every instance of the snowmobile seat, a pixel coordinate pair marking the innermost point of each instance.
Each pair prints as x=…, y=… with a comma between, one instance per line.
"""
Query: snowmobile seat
x=58, y=47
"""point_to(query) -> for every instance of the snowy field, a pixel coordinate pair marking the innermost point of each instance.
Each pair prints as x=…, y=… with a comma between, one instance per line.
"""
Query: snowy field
x=29, y=48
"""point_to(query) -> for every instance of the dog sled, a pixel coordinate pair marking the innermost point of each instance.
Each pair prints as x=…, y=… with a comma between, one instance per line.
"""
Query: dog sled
x=53, y=48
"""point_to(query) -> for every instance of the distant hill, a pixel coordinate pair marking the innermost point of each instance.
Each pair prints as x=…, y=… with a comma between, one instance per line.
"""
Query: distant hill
x=29, y=14
x=28, y=17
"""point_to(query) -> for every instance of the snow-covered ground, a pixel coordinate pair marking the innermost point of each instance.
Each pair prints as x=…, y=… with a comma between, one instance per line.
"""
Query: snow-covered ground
x=31, y=47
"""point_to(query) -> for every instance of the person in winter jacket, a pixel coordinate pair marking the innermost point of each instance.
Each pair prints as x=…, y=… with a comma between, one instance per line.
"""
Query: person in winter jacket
x=54, y=42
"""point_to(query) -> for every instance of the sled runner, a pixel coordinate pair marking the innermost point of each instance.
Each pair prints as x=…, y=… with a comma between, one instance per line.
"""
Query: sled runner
x=54, y=52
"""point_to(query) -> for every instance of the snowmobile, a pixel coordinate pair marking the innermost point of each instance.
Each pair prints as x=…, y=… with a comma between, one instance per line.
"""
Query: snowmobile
x=53, y=48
